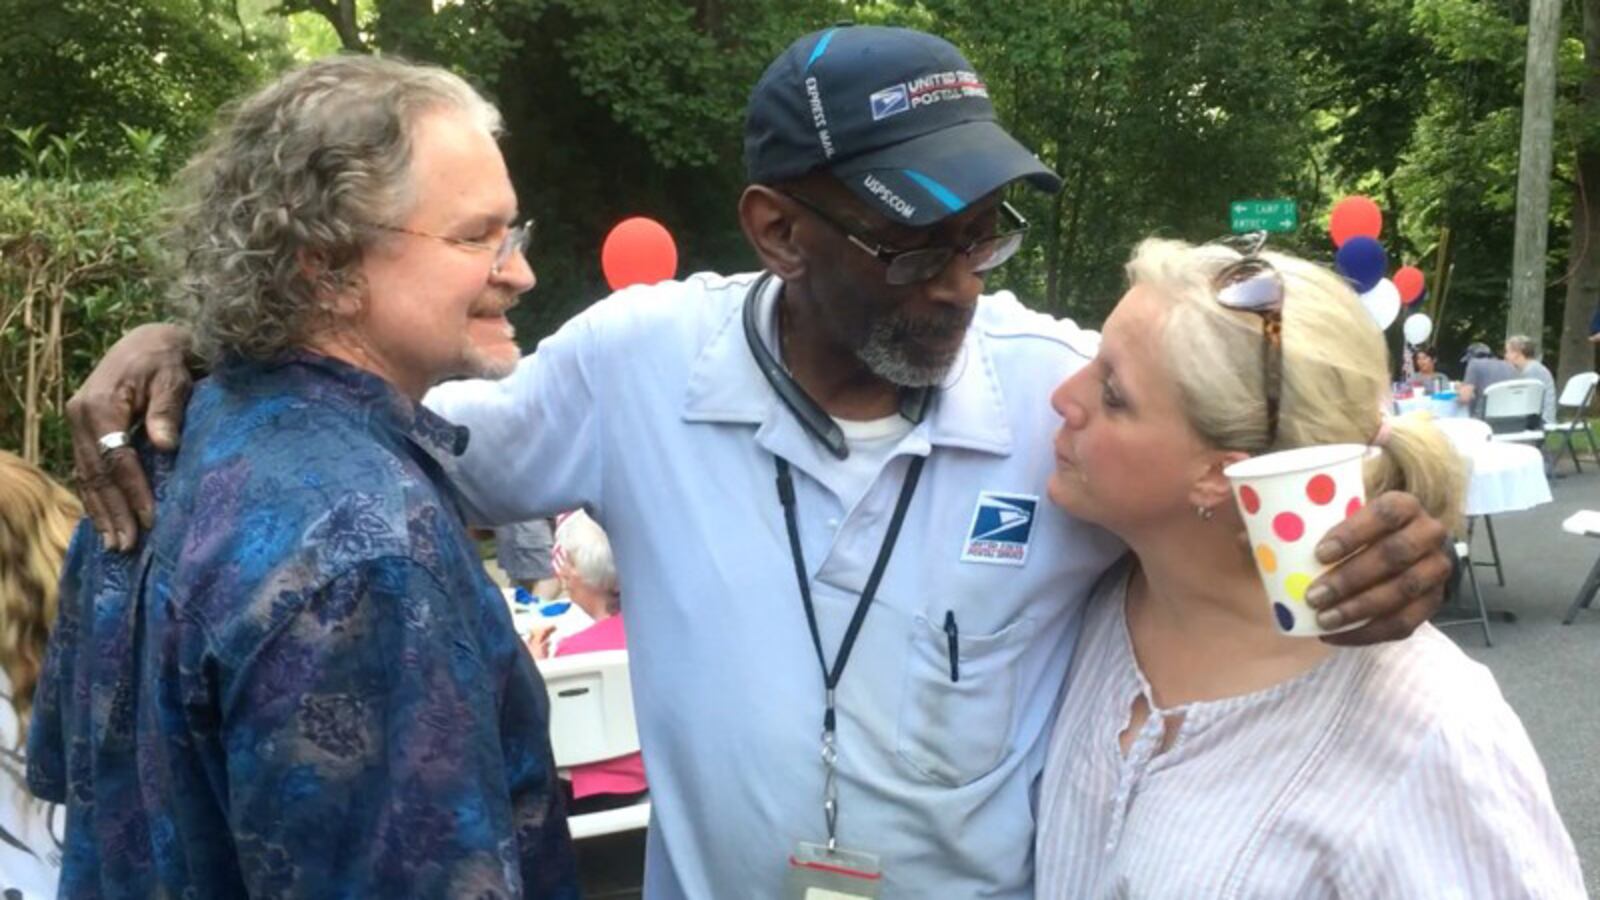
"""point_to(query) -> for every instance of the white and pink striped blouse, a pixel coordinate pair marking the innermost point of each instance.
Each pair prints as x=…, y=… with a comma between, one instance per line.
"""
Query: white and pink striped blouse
x=1388, y=771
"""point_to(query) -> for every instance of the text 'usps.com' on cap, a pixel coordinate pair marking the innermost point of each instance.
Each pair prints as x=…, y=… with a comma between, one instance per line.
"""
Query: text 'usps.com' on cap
x=899, y=116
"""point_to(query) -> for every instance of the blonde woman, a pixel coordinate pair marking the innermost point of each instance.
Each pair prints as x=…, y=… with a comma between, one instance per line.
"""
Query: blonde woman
x=37, y=517
x=1200, y=752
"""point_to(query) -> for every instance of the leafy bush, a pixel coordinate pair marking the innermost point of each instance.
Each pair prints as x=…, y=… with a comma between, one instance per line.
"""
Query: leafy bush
x=77, y=268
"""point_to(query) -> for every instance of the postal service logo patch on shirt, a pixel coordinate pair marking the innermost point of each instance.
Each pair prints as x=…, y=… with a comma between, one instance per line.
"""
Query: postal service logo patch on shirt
x=1001, y=526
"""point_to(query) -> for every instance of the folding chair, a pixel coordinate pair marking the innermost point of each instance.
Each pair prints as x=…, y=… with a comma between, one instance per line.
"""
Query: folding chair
x=1587, y=524
x=1577, y=395
x=1494, y=548
x=1464, y=550
x=1507, y=407
x=591, y=720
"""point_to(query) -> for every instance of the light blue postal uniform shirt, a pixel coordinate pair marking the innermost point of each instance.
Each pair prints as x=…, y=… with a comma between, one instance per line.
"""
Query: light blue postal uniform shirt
x=649, y=409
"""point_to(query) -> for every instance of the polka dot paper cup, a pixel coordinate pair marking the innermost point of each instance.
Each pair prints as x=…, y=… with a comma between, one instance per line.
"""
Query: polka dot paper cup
x=1289, y=500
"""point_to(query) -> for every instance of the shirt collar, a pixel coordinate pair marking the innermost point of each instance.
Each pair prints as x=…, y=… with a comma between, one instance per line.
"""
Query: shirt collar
x=725, y=385
x=341, y=384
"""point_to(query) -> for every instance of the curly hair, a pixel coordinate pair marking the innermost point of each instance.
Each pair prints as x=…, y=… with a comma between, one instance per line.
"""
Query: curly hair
x=270, y=218
x=37, y=517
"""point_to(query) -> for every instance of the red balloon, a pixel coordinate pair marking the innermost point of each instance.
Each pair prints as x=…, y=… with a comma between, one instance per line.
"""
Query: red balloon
x=638, y=251
x=1354, y=217
x=1409, y=280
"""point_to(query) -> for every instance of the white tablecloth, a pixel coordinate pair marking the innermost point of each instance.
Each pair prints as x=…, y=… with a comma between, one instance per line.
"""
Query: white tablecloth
x=1505, y=478
x=1442, y=408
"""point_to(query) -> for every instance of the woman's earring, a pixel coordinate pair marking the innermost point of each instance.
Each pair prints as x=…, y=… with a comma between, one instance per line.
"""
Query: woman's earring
x=1204, y=512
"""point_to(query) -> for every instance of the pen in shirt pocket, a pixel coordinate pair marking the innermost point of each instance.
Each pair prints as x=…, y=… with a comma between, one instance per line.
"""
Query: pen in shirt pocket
x=952, y=639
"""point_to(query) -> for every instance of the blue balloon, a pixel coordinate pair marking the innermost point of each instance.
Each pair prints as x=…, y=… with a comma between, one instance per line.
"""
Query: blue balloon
x=1362, y=262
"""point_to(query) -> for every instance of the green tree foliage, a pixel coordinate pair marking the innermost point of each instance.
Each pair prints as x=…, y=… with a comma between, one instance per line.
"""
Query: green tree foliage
x=90, y=66
x=614, y=108
x=1583, y=247
x=1157, y=113
x=1454, y=180
x=77, y=268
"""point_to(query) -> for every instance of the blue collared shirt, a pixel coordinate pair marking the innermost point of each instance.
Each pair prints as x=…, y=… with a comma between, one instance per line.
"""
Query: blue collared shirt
x=649, y=410
x=303, y=684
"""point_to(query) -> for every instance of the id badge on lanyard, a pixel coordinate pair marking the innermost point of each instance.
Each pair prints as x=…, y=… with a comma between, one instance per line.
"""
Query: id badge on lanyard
x=828, y=871
x=818, y=873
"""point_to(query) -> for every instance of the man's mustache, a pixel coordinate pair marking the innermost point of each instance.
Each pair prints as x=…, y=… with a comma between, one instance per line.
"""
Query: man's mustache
x=938, y=325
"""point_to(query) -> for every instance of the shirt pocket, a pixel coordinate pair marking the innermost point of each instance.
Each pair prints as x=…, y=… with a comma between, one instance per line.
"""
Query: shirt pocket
x=956, y=730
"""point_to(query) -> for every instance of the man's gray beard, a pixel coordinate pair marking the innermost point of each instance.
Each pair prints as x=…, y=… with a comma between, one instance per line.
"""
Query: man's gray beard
x=888, y=360
x=482, y=365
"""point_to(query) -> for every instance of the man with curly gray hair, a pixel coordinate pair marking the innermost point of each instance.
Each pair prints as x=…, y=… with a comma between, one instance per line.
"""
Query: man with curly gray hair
x=305, y=684
x=288, y=209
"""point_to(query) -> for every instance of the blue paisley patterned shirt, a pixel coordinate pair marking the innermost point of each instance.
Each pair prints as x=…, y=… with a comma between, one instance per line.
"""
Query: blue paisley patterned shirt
x=303, y=684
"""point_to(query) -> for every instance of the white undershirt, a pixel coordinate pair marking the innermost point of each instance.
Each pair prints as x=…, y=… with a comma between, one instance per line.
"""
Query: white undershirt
x=870, y=442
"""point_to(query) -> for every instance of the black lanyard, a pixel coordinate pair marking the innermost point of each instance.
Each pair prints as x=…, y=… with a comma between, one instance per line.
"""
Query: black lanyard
x=830, y=678
x=831, y=675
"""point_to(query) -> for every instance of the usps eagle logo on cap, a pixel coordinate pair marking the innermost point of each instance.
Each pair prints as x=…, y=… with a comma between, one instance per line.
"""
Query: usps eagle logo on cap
x=891, y=101
x=1001, y=527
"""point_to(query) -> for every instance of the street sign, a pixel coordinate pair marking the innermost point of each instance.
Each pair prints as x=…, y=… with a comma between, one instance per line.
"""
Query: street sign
x=1263, y=215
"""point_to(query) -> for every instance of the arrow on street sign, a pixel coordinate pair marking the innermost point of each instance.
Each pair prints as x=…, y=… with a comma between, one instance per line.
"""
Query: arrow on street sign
x=1263, y=215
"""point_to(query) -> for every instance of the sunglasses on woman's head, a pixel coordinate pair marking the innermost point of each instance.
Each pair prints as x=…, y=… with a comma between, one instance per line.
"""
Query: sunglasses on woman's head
x=1251, y=284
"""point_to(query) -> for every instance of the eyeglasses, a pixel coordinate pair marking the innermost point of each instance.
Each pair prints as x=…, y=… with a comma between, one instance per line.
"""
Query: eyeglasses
x=1251, y=284
x=918, y=265
x=515, y=241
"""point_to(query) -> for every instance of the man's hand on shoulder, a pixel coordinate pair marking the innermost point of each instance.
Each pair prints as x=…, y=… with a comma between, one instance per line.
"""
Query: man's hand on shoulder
x=1396, y=573
x=144, y=374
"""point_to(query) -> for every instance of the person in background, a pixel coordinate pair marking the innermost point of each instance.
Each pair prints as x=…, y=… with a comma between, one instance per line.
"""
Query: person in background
x=1201, y=752
x=1425, y=374
x=304, y=683
x=589, y=574
x=1482, y=370
x=1522, y=352
x=522, y=551
x=583, y=563
x=37, y=517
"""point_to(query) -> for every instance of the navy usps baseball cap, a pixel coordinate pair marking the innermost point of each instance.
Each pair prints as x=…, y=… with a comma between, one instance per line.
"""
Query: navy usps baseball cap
x=899, y=116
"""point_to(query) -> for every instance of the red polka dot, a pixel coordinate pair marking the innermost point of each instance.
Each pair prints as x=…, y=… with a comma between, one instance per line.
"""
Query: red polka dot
x=1252, y=503
x=1320, y=490
x=1288, y=526
x=1350, y=510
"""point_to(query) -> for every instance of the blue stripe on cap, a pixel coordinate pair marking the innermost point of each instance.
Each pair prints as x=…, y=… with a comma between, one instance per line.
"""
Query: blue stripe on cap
x=821, y=47
x=940, y=192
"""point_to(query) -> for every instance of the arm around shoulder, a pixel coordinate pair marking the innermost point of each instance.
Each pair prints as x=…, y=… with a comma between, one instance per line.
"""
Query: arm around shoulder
x=534, y=436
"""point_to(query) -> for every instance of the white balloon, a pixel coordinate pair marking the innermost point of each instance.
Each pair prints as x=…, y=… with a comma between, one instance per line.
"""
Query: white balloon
x=1417, y=328
x=1383, y=302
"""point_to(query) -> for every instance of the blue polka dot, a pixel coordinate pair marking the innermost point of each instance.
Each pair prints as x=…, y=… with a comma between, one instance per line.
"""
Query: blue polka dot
x=1285, y=617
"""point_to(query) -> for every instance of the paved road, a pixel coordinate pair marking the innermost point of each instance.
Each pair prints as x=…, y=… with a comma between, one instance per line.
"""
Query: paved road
x=1550, y=673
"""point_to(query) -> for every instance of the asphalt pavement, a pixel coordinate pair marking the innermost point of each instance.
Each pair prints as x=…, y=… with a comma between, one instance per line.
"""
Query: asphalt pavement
x=1549, y=672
